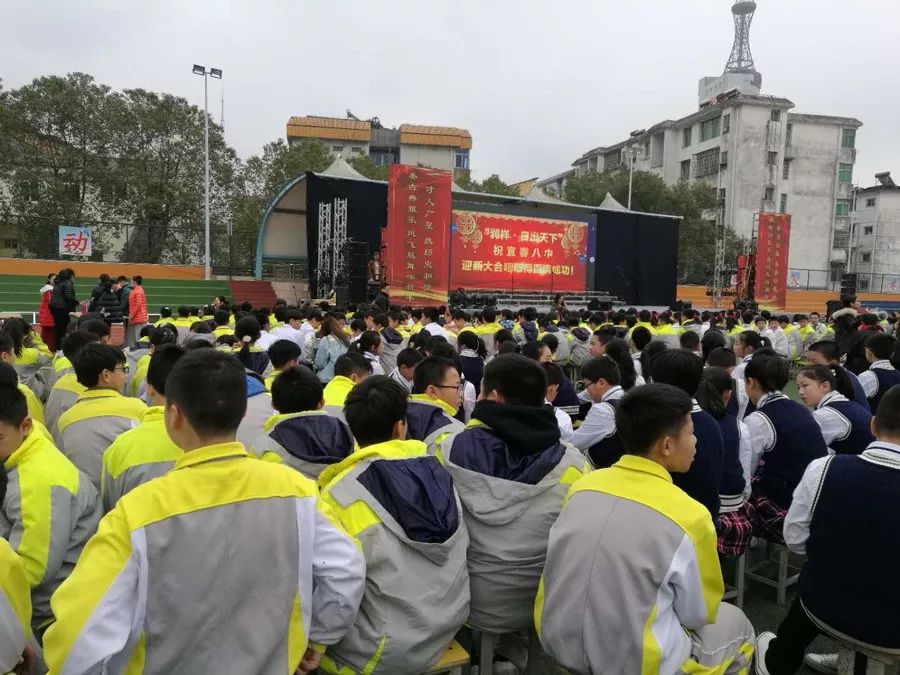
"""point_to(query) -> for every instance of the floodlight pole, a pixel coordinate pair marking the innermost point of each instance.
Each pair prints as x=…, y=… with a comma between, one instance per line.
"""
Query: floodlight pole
x=207, y=262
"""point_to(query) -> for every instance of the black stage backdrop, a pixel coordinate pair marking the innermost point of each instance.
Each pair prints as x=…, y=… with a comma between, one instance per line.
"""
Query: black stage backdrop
x=637, y=257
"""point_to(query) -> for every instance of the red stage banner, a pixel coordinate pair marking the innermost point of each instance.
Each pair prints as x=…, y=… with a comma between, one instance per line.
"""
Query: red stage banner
x=417, y=234
x=772, y=244
x=491, y=251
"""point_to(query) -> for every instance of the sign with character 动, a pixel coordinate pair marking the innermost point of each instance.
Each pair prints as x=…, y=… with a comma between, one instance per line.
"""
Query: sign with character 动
x=75, y=241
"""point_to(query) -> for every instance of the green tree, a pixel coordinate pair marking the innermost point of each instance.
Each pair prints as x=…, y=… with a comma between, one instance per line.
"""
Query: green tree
x=368, y=168
x=493, y=185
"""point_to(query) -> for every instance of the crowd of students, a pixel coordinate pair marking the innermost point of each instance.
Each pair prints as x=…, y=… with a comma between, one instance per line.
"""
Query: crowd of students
x=246, y=490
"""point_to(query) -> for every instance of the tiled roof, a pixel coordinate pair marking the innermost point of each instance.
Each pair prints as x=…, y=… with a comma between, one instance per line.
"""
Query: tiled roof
x=331, y=128
x=415, y=134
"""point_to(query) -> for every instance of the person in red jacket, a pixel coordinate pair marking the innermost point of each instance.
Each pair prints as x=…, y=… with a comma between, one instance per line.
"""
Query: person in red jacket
x=45, y=318
x=137, y=310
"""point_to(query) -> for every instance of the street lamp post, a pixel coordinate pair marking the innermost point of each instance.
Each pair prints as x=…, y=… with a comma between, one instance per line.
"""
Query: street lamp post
x=632, y=154
x=217, y=74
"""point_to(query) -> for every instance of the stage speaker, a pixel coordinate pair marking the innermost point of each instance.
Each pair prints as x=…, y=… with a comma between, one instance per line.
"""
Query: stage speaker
x=358, y=271
x=341, y=296
x=831, y=307
x=680, y=305
x=848, y=284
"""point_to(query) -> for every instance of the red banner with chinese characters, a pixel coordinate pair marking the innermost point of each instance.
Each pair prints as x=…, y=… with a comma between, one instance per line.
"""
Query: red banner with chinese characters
x=491, y=251
x=417, y=234
x=772, y=244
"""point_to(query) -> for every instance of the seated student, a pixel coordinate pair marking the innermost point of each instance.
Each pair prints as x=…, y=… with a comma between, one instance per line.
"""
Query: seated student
x=222, y=319
x=785, y=438
x=745, y=345
x=555, y=377
x=8, y=359
x=619, y=352
x=435, y=402
x=163, y=335
x=579, y=338
x=29, y=361
x=392, y=340
x=357, y=328
x=145, y=452
x=101, y=413
x=193, y=533
x=841, y=506
x=703, y=481
x=370, y=346
x=349, y=370
x=412, y=536
x=472, y=354
x=49, y=511
x=407, y=360
x=640, y=338
x=134, y=353
x=301, y=434
x=647, y=552
x=690, y=340
x=881, y=374
x=17, y=650
x=555, y=338
x=66, y=390
x=283, y=354
x=254, y=357
x=827, y=353
x=712, y=340
x=512, y=473
x=445, y=350
x=596, y=437
x=735, y=528
x=165, y=316
x=599, y=339
x=846, y=426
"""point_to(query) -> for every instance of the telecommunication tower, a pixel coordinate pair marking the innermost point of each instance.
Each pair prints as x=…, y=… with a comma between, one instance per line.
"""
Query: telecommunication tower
x=741, y=60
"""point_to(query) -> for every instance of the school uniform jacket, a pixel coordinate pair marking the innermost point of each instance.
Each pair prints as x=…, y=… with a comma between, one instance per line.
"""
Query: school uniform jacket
x=138, y=455
x=430, y=420
x=401, y=505
x=28, y=367
x=259, y=410
x=225, y=564
x=63, y=395
x=308, y=442
x=61, y=366
x=335, y=393
x=49, y=512
x=89, y=427
x=631, y=566
x=393, y=343
x=15, y=608
x=511, y=496
x=846, y=426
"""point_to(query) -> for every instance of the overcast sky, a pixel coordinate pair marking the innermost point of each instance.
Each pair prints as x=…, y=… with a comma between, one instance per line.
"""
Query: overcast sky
x=537, y=83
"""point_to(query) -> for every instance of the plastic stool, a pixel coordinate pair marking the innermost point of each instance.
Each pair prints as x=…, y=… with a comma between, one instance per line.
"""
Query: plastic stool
x=876, y=661
x=737, y=591
x=781, y=580
x=455, y=661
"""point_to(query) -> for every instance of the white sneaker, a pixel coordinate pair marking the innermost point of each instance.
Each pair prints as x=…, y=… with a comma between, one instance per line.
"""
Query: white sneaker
x=822, y=663
x=762, y=646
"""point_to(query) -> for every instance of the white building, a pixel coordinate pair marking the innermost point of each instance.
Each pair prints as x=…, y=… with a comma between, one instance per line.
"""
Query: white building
x=436, y=147
x=875, y=240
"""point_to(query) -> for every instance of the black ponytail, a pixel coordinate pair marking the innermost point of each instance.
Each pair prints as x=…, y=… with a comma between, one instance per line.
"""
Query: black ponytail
x=715, y=382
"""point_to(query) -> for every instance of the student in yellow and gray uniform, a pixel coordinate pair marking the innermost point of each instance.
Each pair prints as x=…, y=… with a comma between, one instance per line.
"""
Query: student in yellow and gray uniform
x=436, y=397
x=145, y=452
x=101, y=413
x=15, y=611
x=283, y=354
x=512, y=474
x=50, y=509
x=29, y=361
x=301, y=434
x=401, y=505
x=172, y=583
x=8, y=361
x=647, y=553
x=137, y=377
x=349, y=370
x=66, y=390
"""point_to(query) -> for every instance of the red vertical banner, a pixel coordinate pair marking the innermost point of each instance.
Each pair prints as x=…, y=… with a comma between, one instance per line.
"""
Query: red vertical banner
x=772, y=244
x=417, y=234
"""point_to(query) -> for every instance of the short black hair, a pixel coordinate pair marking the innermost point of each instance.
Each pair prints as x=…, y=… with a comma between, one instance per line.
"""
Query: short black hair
x=96, y=326
x=554, y=374
x=210, y=389
x=409, y=357
x=164, y=334
x=532, y=350
x=352, y=363
x=750, y=338
x=641, y=337
x=601, y=368
x=887, y=417
x=769, y=369
x=680, y=368
x=93, y=360
x=7, y=344
x=373, y=408
x=606, y=334
x=431, y=371
x=712, y=339
x=722, y=357
x=431, y=313
x=646, y=414
x=881, y=346
x=689, y=340
x=358, y=324
x=518, y=379
x=282, y=351
x=161, y=364
x=826, y=348
x=381, y=319
x=296, y=389
x=221, y=317
x=551, y=341
x=13, y=405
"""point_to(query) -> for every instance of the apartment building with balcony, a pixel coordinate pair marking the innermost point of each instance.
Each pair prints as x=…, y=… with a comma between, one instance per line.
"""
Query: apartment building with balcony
x=875, y=236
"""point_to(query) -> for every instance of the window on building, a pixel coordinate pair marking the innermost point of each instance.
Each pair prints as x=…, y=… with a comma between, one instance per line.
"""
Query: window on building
x=848, y=138
x=722, y=195
x=845, y=173
x=9, y=243
x=866, y=257
x=723, y=158
x=787, y=169
x=646, y=150
x=686, y=137
x=776, y=114
x=773, y=159
x=789, y=134
x=686, y=170
x=770, y=194
x=862, y=283
x=337, y=148
x=356, y=150
x=870, y=201
x=842, y=208
x=706, y=163
x=462, y=159
x=710, y=129
x=784, y=203
x=868, y=229
x=726, y=123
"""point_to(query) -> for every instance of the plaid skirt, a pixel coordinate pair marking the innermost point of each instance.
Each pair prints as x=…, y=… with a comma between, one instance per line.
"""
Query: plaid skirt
x=735, y=531
x=767, y=518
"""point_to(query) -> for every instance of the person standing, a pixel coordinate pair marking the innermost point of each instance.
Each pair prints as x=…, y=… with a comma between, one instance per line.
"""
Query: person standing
x=62, y=302
x=135, y=302
x=45, y=318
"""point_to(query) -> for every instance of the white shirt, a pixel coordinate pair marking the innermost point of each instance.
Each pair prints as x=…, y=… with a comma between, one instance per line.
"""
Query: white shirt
x=799, y=516
x=266, y=340
x=288, y=332
x=738, y=372
x=436, y=329
x=636, y=357
x=600, y=422
x=395, y=375
x=779, y=340
x=762, y=432
x=469, y=399
x=374, y=362
x=869, y=380
x=835, y=427
x=564, y=422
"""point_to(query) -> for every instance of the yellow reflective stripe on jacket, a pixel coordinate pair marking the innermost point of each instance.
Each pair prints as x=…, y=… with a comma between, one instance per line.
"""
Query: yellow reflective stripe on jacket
x=651, y=656
x=330, y=667
x=337, y=390
x=101, y=403
x=14, y=585
x=147, y=442
x=30, y=357
x=35, y=407
x=69, y=382
x=61, y=363
x=443, y=405
x=140, y=374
